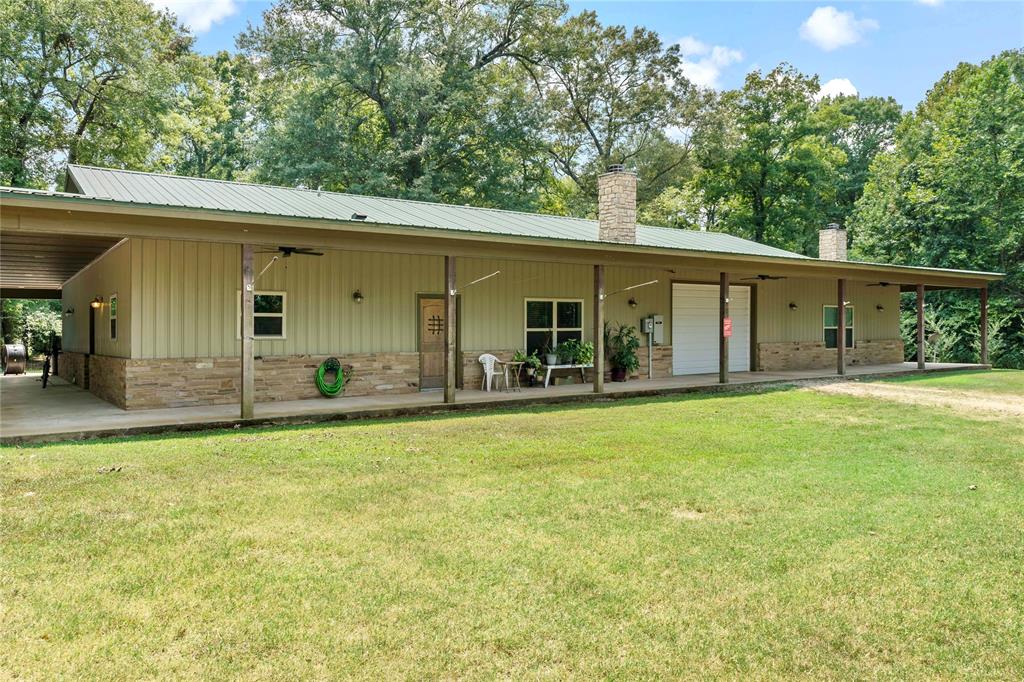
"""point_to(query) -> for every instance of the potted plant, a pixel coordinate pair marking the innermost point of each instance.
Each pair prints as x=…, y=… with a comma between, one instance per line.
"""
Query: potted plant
x=550, y=354
x=531, y=363
x=567, y=351
x=622, y=344
x=585, y=353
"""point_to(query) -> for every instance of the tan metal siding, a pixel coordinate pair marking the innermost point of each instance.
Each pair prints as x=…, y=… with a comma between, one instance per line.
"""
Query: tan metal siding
x=189, y=290
x=493, y=310
x=110, y=274
x=776, y=322
x=188, y=300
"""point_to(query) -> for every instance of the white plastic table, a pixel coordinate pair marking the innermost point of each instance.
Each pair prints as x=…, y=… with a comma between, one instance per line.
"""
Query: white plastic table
x=582, y=368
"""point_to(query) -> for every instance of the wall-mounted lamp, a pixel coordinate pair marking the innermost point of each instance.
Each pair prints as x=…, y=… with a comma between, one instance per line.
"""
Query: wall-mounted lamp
x=633, y=303
x=357, y=296
x=879, y=307
x=793, y=306
x=96, y=302
x=69, y=312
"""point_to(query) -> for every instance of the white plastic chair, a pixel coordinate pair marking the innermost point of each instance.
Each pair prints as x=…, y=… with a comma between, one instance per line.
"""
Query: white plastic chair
x=491, y=370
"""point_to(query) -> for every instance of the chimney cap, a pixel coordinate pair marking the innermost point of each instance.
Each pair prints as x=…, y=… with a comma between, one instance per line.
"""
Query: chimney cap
x=616, y=168
x=833, y=226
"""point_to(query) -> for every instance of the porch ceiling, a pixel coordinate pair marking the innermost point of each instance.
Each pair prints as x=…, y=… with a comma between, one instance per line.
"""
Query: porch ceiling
x=35, y=261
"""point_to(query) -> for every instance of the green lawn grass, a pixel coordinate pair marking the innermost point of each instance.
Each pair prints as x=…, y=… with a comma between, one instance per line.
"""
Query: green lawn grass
x=1004, y=381
x=767, y=535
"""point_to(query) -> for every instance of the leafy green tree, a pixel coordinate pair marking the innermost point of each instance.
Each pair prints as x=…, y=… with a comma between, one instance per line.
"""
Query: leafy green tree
x=82, y=82
x=611, y=97
x=951, y=194
x=209, y=131
x=396, y=97
x=770, y=169
x=30, y=322
x=862, y=127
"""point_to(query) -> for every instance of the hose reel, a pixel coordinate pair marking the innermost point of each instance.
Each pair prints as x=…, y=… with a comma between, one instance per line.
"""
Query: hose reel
x=330, y=390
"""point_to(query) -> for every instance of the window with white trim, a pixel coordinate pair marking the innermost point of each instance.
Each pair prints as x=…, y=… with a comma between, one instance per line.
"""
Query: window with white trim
x=830, y=326
x=551, y=321
x=113, y=317
x=268, y=317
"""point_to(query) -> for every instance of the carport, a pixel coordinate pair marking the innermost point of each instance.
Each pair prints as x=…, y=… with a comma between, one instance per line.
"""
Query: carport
x=36, y=265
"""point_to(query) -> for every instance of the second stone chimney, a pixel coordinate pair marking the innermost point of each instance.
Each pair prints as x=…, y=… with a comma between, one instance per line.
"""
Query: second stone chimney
x=832, y=242
x=616, y=205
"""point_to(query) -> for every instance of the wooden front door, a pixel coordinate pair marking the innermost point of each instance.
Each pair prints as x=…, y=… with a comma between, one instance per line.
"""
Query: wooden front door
x=431, y=342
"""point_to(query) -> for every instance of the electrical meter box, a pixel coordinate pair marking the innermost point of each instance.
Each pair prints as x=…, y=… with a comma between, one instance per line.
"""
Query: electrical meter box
x=655, y=326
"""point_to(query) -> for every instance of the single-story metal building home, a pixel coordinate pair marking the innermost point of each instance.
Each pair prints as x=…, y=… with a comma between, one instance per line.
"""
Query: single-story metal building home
x=182, y=291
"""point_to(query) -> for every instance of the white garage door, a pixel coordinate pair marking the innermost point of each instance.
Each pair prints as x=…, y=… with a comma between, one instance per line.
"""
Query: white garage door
x=695, y=328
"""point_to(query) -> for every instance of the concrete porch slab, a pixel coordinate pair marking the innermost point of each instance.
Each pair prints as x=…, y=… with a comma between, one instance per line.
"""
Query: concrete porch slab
x=62, y=411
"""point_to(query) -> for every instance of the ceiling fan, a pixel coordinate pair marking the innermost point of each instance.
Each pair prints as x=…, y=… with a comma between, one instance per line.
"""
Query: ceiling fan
x=881, y=284
x=287, y=251
x=764, y=277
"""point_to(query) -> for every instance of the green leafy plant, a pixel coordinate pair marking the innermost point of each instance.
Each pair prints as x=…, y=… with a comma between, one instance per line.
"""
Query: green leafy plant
x=531, y=360
x=567, y=351
x=622, y=344
x=585, y=354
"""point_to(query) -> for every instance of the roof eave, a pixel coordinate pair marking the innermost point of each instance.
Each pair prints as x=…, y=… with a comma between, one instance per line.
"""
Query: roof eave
x=60, y=201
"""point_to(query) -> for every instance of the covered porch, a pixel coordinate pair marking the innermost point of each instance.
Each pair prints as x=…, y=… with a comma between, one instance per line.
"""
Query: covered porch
x=63, y=411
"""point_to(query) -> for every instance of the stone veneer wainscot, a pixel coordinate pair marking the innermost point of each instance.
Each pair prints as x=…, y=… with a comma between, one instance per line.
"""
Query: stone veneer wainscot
x=813, y=354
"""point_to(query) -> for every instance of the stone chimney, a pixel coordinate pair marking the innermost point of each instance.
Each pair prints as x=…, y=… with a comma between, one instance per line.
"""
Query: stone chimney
x=832, y=242
x=616, y=205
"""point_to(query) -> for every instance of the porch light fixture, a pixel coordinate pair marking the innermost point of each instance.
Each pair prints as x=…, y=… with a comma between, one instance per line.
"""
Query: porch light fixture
x=69, y=312
x=96, y=302
x=633, y=303
x=879, y=307
x=357, y=296
x=793, y=306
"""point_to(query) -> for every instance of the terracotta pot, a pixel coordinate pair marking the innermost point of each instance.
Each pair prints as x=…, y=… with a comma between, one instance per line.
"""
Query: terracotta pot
x=618, y=374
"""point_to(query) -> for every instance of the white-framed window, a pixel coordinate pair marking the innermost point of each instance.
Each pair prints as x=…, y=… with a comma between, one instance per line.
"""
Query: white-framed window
x=551, y=321
x=113, y=317
x=830, y=326
x=270, y=309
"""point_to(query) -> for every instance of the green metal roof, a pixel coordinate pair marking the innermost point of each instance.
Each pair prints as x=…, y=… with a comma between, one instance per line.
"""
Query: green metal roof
x=171, y=190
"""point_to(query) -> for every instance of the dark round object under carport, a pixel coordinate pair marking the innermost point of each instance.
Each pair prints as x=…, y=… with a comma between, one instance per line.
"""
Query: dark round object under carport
x=12, y=357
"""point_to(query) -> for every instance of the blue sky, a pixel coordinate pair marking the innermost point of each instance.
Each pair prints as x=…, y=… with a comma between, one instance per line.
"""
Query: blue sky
x=878, y=48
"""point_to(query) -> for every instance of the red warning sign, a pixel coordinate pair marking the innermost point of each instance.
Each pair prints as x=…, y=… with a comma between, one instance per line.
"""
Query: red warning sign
x=726, y=326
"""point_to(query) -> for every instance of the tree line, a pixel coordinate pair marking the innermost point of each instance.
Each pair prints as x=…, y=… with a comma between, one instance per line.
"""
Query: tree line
x=517, y=104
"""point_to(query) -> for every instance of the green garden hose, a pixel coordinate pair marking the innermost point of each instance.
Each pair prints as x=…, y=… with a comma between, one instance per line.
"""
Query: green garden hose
x=333, y=389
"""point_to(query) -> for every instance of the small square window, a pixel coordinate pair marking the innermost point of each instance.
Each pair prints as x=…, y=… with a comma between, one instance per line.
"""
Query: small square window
x=269, y=311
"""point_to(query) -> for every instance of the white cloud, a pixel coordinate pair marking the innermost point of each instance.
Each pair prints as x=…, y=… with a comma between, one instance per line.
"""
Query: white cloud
x=703, y=63
x=198, y=15
x=930, y=3
x=829, y=29
x=837, y=87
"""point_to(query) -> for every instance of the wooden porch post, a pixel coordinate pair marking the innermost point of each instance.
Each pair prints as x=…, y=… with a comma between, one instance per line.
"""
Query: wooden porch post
x=841, y=329
x=248, y=382
x=723, y=340
x=598, y=329
x=984, y=326
x=449, y=329
x=920, y=326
